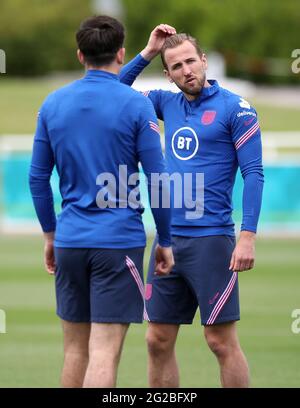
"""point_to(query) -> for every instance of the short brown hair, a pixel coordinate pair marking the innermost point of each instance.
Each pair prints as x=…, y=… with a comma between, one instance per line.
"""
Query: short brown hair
x=99, y=38
x=178, y=39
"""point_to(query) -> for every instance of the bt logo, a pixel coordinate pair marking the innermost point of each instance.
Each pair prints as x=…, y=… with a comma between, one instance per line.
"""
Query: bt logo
x=185, y=143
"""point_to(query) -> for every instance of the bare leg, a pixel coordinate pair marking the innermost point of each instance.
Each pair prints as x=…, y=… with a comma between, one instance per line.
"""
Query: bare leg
x=224, y=343
x=76, y=353
x=106, y=342
x=162, y=364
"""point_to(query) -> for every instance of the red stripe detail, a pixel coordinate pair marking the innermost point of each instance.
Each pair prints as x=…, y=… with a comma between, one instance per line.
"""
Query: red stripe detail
x=155, y=129
x=245, y=140
x=241, y=142
x=137, y=278
x=249, y=130
x=136, y=275
x=153, y=124
x=222, y=301
x=247, y=135
x=216, y=310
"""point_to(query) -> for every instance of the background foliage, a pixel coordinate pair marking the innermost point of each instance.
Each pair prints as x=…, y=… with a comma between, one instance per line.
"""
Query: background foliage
x=255, y=36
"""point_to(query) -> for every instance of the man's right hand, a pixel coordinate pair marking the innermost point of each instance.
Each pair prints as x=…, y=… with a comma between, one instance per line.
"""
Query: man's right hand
x=156, y=41
x=164, y=260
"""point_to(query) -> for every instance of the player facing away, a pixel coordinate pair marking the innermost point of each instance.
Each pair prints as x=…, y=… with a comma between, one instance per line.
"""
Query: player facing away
x=89, y=130
x=209, y=131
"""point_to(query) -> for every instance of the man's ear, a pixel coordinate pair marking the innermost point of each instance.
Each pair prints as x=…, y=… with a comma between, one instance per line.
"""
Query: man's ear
x=166, y=72
x=204, y=60
x=120, y=58
x=80, y=57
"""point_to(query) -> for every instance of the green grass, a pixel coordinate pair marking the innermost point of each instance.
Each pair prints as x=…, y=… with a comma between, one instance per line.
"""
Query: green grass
x=20, y=101
x=31, y=350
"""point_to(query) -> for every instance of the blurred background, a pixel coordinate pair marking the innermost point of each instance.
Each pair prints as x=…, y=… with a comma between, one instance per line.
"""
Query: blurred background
x=253, y=49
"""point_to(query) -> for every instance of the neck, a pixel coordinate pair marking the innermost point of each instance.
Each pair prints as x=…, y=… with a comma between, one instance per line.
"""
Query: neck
x=190, y=97
x=111, y=68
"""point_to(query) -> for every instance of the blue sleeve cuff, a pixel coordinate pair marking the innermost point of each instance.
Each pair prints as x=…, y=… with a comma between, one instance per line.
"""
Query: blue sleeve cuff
x=165, y=241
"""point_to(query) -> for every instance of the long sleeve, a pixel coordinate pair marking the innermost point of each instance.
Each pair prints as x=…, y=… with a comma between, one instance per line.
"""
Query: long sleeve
x=153, y=163
x=42, y=164
x=131, y=71
x=247, y=141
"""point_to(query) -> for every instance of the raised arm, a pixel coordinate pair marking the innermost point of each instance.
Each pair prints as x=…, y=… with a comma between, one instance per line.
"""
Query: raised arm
x=156, y=40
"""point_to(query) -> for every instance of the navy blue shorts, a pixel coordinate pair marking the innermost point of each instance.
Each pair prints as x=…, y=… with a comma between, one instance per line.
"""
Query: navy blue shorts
x=200, y=278
x=100, y=285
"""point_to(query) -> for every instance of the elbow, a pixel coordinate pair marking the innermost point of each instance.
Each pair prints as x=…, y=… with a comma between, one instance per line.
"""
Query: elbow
x=256, y=171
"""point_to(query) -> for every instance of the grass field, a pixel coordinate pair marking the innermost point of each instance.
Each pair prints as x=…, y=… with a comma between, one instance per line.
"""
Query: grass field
x=20, y=101
x=31, y=350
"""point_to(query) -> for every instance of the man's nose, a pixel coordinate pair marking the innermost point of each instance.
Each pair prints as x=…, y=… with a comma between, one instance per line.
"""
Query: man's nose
x=186, y=70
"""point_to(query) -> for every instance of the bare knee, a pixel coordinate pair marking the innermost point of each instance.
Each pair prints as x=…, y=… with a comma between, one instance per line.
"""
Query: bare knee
x=161, y=341
x=220, y=343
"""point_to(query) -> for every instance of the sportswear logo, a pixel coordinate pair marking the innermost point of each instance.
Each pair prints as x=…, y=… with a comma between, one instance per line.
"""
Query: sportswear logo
x=244, y=104
x=248, y=122
x=244, y=113
x=211, y=301
x=208, y=117
x=148, y=291
x=185, y=143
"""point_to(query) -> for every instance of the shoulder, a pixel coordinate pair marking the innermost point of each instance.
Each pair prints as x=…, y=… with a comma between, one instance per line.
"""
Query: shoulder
x=138, y=100
x=234, y=102
x=58, y=94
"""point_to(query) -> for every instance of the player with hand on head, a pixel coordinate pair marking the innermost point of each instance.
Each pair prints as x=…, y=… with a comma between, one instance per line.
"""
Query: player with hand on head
x=210, y=132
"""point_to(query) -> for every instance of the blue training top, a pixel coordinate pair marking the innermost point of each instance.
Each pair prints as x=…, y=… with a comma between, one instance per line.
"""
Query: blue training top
x=212, y=136
x=88, y=129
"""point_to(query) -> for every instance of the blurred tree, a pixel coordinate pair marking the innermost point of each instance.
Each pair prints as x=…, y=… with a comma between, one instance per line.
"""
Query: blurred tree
x=38, y=36
x=256, y=37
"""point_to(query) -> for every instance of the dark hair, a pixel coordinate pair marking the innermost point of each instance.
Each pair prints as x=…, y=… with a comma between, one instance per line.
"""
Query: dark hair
x=99, y=38
x=175, y=40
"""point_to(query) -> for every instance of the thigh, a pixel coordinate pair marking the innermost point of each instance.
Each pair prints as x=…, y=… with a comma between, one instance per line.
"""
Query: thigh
x=169, y=299
x=107, y=338
x=72, y=284
x=116, y=286
x=76, y=336
x=207, y=269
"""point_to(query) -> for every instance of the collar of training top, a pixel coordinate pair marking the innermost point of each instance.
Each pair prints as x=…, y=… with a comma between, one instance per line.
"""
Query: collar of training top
x=97, y=73
x=206, y=92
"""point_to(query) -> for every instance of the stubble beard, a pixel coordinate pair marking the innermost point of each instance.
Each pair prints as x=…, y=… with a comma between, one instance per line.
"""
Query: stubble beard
x=197, y=90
